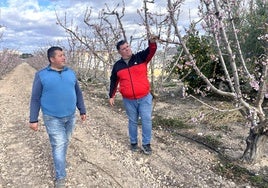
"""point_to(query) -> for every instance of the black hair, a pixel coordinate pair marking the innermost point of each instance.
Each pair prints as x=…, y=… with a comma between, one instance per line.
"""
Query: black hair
x=51, y=51
x=121, y=42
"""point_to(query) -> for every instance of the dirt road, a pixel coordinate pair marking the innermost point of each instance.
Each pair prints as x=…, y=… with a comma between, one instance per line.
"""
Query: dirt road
x=98, y=155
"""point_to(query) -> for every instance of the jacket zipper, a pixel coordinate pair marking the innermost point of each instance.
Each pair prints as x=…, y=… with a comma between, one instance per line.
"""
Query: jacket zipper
x=131, y=82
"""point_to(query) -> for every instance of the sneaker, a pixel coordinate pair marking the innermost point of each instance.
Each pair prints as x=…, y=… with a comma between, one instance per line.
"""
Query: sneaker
x=146, y=149
x=134, y=147
x=60, y=183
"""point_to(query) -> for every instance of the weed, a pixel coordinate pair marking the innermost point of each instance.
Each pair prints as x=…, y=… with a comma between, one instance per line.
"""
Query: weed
x=212, y=141
x=233, y=171
x=169, y=123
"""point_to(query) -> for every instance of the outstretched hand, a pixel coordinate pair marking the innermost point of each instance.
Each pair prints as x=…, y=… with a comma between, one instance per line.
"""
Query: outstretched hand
x=154, y=38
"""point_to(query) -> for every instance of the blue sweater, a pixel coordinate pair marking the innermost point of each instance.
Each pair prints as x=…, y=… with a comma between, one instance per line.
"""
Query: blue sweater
x=56, y=93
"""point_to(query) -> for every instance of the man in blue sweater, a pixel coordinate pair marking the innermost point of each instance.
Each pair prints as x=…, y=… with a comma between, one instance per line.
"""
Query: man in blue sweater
x=56, y=91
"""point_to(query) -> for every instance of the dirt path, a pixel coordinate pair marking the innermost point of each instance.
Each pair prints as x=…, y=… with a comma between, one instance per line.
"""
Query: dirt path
x=98, y=155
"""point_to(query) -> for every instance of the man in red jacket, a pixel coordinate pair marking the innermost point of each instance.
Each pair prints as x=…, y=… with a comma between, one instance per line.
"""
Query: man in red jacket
x=130, y=73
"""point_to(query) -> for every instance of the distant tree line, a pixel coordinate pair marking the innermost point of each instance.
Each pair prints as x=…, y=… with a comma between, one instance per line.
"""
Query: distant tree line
x=26, y=55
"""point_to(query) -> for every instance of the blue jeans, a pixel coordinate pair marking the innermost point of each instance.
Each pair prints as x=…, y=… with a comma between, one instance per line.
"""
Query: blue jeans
x=59, y=131
x=139, y=108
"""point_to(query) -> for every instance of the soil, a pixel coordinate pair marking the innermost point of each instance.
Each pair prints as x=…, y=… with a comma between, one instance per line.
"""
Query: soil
x=99, y=154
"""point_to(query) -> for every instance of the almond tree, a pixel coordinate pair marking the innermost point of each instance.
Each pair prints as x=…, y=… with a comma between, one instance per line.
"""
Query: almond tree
x=8, y=60
x=92, y=45
x=94, y=42
x=39, y=59
x=217, y=17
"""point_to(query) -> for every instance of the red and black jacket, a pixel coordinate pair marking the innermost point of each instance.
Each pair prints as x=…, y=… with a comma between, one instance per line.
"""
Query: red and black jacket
x=132, y=77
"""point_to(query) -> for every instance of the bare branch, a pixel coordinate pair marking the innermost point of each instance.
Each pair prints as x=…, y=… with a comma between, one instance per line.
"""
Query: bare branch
x=214, y=108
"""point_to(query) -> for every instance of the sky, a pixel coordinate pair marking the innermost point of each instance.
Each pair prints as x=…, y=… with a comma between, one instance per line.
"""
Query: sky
x=29, y=25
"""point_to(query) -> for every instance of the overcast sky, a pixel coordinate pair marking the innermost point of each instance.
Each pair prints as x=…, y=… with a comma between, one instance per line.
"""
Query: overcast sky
x=28, y=25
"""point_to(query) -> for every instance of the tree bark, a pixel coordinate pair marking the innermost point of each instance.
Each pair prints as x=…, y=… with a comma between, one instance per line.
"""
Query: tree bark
x=256, y=141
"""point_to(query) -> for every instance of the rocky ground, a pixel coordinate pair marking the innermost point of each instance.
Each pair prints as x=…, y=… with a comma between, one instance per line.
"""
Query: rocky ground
x=99, y=156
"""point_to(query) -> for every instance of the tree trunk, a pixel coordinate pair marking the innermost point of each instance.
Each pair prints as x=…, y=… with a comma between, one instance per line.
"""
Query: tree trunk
x=256, y=141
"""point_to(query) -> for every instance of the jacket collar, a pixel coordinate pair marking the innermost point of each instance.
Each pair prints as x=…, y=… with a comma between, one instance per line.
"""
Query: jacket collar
x=50, y=69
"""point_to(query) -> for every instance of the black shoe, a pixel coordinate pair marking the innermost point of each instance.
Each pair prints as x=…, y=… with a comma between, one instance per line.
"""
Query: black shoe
x=146, y=149
x=134, y=147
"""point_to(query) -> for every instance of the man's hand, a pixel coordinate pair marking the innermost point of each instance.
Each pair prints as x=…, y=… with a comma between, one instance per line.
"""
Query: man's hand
x=83, y=117
x=154, y=38
x=34, y=126
x=111, y=101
